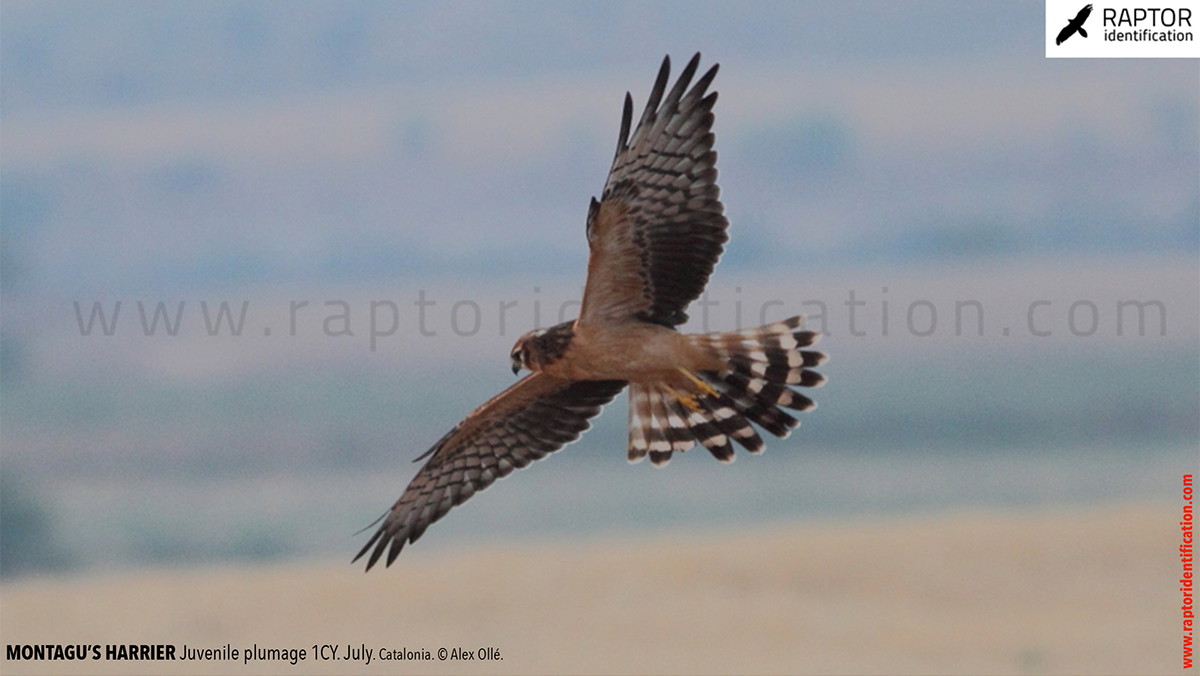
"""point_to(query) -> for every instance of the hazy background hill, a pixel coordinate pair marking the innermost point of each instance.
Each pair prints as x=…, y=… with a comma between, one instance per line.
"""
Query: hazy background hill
x=922, y=155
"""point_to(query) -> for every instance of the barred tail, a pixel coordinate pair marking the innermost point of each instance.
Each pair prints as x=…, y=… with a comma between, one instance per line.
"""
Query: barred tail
x=761, y=365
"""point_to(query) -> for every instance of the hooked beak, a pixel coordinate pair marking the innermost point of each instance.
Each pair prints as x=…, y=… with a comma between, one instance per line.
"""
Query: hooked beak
x=516, y=368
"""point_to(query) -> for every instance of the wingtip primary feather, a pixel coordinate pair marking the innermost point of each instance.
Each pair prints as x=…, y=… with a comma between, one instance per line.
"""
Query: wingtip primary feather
x=660, y=86
x=394, y=551
x=703, y=83
x=681, y=85
x=626, y=121
x=377, y=543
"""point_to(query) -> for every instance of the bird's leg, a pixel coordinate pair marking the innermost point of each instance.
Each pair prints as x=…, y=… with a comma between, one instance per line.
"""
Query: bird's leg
x=691, y=400
x=704, y=387
x=688, y=400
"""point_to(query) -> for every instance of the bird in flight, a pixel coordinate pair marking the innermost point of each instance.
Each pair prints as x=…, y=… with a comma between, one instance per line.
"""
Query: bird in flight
x=653, y=237
x=1074, y=25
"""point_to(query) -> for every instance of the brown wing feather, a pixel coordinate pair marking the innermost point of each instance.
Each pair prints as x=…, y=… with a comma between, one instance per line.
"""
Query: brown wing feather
x=536, y=416
x=660, y=227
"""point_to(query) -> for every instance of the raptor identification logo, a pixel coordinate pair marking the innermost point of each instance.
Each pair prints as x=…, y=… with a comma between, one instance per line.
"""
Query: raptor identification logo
x=1137, y=29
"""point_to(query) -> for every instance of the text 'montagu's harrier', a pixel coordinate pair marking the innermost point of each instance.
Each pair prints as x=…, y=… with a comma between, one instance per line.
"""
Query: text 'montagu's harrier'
x=654, y=238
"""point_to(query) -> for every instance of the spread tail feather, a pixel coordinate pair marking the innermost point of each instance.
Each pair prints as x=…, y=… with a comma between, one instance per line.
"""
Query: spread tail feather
x=760, y=366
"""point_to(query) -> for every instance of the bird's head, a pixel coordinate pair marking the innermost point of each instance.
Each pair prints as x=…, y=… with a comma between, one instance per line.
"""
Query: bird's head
x=540, y=347
x=524, y=351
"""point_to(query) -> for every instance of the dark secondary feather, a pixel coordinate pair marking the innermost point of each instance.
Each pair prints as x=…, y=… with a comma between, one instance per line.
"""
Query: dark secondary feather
x=534, y=417
x=664, y=183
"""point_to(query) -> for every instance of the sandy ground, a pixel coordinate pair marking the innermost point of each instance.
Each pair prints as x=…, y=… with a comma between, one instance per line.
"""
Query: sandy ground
x=1080, y=590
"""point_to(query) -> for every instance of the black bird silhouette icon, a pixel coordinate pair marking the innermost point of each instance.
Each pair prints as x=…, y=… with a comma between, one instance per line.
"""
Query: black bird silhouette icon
x=1075, y=25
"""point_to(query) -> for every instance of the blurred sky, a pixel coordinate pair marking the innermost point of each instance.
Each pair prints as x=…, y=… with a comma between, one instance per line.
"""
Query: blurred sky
x=281, y=151
x=177, y=146
x=273, y=152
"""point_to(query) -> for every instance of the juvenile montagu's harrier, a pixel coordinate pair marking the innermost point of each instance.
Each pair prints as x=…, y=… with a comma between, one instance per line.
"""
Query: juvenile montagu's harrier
x=654, y=238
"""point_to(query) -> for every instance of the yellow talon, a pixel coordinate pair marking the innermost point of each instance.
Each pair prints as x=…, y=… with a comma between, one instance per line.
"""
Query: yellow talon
x=685, y=399
x=705, y=388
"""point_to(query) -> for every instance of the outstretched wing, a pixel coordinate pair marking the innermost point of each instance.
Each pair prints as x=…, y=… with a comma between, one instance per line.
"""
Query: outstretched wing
x=1082, y=15
x=659, y=227
x=1065, y=33
x=536, y=416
